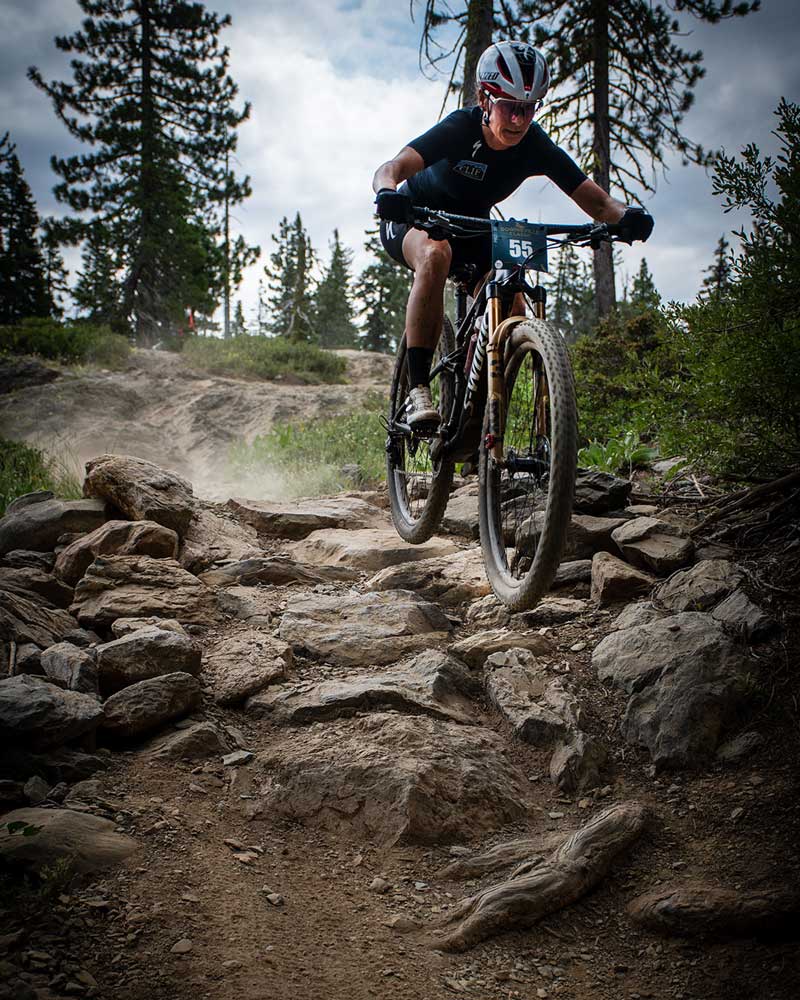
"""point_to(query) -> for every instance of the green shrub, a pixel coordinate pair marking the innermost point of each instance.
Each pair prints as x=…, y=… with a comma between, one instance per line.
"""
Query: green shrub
x=307, y=459
x=621, y=454
x=69, y=342
x=24, y=469
x=264, y=357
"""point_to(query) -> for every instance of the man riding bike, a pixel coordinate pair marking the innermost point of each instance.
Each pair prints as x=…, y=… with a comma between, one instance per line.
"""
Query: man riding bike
x=470, y=161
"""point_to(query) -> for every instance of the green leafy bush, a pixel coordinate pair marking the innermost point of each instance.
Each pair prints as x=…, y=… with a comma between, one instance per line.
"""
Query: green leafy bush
x=69, y=342
x=264, y=357
x=622, y=454
x=308, y=459
x=24, y=469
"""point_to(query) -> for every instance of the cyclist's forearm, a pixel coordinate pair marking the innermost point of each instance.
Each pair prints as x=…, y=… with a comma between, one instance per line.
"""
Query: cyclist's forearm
x=597, y=203
x=388, y=175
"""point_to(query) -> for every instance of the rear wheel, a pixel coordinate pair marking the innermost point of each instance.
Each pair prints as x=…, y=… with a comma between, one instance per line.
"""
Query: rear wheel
x=525, y=503
x=419, y=482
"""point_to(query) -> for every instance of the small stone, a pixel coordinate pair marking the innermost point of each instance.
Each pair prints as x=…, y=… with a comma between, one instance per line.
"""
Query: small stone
x=577, y=647
x=245, y=857
x=459, y=851
x=737, y=813
x=401, y=923
x=379, y=885
x=275, y=899
x=232, y=963
x=584, y=803
x=556, y=815
x=237, y=757
x=36, y=790
x=181, y=947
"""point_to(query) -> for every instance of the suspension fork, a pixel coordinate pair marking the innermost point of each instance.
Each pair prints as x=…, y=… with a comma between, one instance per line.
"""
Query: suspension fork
x=499, y=332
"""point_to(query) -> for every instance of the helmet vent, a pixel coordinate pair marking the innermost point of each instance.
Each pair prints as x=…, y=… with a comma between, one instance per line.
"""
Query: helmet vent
x=502, y=65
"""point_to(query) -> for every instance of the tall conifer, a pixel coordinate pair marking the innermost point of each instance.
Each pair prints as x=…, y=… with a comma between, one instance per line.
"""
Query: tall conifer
x=382, y=292
x=290, y=281
x=333, y=304
x=152, y=98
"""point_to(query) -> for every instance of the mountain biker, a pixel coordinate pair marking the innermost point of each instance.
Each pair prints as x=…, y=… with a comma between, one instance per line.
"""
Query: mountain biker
x=465, y=164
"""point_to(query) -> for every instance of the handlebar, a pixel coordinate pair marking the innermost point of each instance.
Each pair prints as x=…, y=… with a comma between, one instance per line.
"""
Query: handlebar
x=454, y=225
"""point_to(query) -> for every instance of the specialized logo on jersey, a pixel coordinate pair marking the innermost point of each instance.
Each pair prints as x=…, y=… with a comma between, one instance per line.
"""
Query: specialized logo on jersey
x=476, y=146
x=469, y=168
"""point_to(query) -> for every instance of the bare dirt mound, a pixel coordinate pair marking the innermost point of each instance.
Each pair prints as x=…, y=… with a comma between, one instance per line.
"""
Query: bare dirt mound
x=161, y=410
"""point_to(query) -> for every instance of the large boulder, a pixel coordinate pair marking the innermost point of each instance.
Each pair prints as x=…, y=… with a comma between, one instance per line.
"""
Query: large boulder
x=36, y=714
x=614, y=580
x=141, y=490
x=139, y=586
x=369, y=549
x=687, y=678
x=475, y=649
x=300, y=519
x=742, y=615
x=448, y=580
x=150, y=652
x=537, y=706
x=598, y=492
x=146, y=705
x=23, y=559
x=653, y=545
x=393, y=778
x=71, y=666
x=33, y=583
x=198, y=742
x=243, y=662
x=363, y=629
x=123, y=538
x=461, y=516
x=276, y=570
x=89, y=843
x=586, y=535
x=22, y=373
x=38, y=526
x=23, y=620
x=701, y=587
x=431, y=683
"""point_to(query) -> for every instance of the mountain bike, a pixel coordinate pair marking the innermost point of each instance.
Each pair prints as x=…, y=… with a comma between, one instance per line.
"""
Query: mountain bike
x=504, y=389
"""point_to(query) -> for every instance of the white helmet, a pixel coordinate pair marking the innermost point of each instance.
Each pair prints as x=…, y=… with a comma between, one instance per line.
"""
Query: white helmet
x=513, y=71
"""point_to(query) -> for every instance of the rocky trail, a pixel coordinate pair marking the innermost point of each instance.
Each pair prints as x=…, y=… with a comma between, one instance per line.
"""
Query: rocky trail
x=268, y=750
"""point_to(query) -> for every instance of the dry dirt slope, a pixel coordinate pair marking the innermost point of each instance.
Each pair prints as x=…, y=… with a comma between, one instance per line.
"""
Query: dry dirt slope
x=163, y=411
x=316, y=864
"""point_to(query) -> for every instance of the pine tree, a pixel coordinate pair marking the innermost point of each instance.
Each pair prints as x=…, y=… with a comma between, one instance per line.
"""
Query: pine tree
x=333, y=306
x=644, y=294
x=55, y=273
x=23, y=283
x=571, y=300
x=290, y=282
x=98, y=290
x=382, y=291
x=719, y=276
x=152, y=98
x=239, y=325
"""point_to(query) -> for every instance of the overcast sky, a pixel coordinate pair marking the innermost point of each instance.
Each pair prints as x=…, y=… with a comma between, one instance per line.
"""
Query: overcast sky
x=336, y=89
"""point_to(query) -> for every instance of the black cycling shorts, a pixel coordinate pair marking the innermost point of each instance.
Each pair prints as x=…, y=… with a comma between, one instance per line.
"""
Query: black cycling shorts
x=475, y=250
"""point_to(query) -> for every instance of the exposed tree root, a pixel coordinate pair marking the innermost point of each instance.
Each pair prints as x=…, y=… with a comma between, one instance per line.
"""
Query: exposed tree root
x=512, y=852
x=688, y=910
x=572, y=870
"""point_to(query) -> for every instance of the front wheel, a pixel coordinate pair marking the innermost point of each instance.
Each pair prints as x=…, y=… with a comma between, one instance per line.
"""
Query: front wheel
x=525, y=501
x=419, y=482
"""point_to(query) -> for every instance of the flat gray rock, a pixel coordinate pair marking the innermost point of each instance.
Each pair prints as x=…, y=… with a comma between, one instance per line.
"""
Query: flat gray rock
x=149, y=652
x=124, y=626
x=363, y=629
x=394, y=779
x=447, y=580
x=138, y=587
x=38, y=526
x=551, y=611
x=368, y=549
x=89, y=843
x=23, y=559
x=141, y=490
x=701, y=587
x=461, y=516
x=614, y=580
x=653, y=545
x=536, y=705
x=300, y=519
x=275, y=570
x=474, y=650
x=431, y=683
x=124, y=538
x=38, y=715
x=241, y=663
x=216, y=535
x=637, y=613
x=145, y=706
x=586, y=535
x=71, y=666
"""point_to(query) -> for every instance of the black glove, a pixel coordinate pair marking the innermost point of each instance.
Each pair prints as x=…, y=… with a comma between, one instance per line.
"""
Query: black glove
x=393, y=206
x=635, y=224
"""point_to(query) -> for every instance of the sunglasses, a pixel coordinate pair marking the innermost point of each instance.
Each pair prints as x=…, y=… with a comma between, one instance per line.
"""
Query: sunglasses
x=514, y=109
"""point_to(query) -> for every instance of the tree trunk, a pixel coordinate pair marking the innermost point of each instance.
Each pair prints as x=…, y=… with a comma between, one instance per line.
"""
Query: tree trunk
x=605, y=294
x=480, y=21
x=139, y=290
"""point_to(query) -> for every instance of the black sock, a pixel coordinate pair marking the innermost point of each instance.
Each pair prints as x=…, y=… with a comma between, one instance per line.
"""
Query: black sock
x=418, y=362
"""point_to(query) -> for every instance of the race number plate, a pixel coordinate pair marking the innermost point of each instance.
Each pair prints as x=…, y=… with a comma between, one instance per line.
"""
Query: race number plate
x=515, y=243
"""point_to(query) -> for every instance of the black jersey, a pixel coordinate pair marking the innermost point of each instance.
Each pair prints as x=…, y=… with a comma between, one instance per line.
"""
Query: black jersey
x=464, y=175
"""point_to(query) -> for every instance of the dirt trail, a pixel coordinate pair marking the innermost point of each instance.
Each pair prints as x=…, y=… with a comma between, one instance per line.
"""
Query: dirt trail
x=161, y=410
